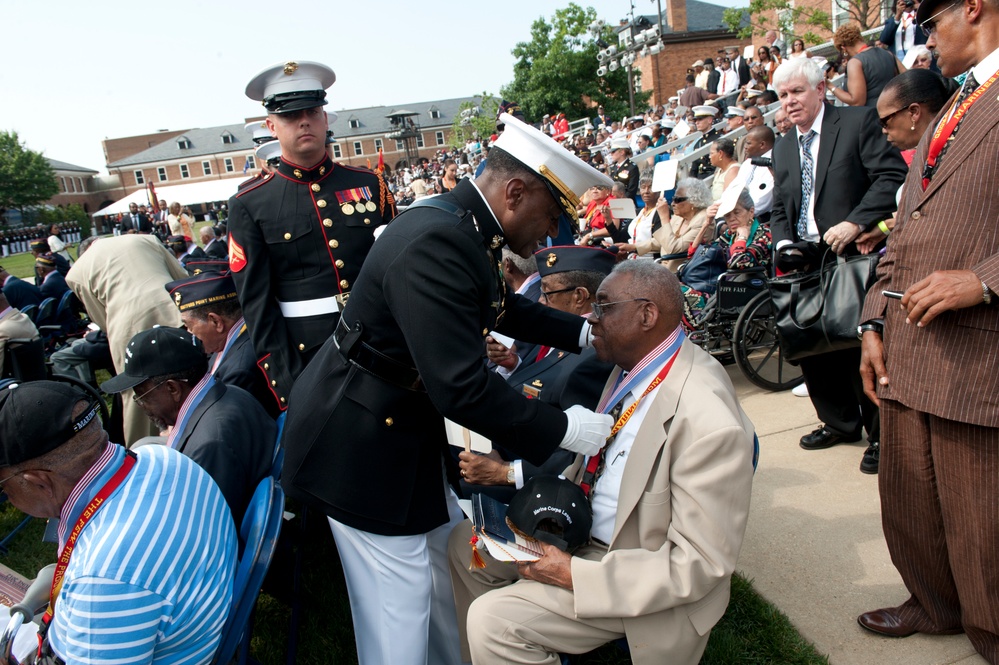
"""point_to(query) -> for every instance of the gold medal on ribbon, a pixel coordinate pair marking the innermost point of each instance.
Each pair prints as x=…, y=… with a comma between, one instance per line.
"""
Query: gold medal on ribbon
x=347, y=209
x=370, y=206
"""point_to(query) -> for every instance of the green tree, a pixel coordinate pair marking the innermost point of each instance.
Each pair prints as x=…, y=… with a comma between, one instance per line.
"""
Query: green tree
x=26, y=178
x=557, y=70
x=791, y=20
x=474, y=120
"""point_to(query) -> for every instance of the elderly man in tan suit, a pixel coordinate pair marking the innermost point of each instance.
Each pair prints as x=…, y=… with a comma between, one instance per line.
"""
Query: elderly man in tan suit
x=120, y=282
x=937, y=368
x=669, y=507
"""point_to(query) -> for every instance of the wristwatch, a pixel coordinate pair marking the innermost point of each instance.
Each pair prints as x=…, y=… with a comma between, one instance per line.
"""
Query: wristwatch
x=511, y=475
x=870, y=326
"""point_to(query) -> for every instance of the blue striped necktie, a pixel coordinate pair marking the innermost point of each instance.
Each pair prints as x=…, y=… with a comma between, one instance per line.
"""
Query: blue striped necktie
x=807, y=167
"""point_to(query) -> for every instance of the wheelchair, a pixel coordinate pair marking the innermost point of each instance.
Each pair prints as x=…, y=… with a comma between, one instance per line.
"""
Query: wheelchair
x=737, y=324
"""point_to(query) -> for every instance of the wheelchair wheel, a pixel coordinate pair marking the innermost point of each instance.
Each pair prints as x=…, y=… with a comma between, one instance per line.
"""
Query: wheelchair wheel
x=757, y=348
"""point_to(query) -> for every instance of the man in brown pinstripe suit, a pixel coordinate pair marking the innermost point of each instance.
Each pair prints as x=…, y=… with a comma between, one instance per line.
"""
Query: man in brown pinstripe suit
x=937, y=369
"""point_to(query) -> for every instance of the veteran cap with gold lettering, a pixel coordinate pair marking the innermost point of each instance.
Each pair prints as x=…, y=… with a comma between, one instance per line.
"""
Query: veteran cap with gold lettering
x=570, y=258
x=205, y=288
x=291, y=86
x=565, y=175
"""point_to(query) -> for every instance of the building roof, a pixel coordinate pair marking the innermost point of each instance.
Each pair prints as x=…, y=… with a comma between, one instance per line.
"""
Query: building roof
x=65, y=166
x=701, y=17
x=368, y=121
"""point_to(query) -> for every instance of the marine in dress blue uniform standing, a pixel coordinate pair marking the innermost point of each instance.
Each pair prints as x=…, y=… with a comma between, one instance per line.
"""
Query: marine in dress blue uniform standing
x=298, y=236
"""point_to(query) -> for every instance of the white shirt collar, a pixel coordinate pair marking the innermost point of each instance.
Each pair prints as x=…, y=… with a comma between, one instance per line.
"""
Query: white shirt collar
x=486, y=201
x=987, y=67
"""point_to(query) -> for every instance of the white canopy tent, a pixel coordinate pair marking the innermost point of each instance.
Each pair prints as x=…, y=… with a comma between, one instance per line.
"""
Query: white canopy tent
x=186, y=194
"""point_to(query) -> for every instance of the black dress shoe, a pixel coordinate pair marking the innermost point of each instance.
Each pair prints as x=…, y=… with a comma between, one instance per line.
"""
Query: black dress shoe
x=872, y=458
x=823, y=438
x=887, y=622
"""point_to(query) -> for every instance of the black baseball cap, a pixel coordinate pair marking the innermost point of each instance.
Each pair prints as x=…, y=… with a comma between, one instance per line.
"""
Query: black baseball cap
x=554, y=510
x=156, y=352
x=36, y=417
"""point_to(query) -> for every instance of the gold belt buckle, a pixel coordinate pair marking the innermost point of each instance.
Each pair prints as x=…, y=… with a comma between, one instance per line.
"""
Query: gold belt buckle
x=342, y=299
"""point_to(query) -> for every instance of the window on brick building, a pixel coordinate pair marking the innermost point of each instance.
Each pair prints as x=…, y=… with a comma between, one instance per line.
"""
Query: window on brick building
x=229, y=168
x=161, y=173
x=440, y=138
x=183, y=143
x=62, y=183
x=435, y=114
x=354, y=123
x=79, y=185
x=139, y=179
x=378, y=145
x=419, y=140
x=206, y=168
x=228, y=138
x=337, y=152
x=358, y=148
x=399, y=145
x=184, y=171
x=251, y=162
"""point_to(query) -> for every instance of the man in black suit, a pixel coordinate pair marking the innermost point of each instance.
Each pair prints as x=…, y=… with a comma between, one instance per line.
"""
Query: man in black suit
x=52, y=284
x=210, y=310
x=408, y=353
x=836, y=176
x=135, y=221
x=215, y=248
x=570, y=277
x=739, y=64
x=222, y=428
x=19, y=293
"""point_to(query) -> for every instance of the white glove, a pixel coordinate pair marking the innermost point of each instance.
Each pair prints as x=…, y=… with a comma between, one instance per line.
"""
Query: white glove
x=587, y=431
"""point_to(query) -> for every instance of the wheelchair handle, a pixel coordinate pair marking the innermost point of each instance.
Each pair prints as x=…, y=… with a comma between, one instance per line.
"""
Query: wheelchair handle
x=35, y=599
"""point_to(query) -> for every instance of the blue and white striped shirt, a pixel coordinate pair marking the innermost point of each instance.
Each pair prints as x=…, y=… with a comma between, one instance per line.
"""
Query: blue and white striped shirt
x=150, y=580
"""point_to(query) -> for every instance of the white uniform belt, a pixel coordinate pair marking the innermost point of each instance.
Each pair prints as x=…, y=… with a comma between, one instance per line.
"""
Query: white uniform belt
x=315, y=307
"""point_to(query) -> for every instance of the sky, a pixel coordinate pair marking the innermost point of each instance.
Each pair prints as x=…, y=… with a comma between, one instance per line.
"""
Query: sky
x=73, y=74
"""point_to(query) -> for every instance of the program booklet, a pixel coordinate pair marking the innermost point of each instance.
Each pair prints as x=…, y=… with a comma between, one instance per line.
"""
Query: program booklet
x=489, y=522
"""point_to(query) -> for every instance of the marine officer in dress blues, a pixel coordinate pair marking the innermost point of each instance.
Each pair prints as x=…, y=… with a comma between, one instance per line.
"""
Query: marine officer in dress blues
x=408, y=353
x=298, y=236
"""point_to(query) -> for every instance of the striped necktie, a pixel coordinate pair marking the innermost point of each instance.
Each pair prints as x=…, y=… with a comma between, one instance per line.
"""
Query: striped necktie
x=807, y=167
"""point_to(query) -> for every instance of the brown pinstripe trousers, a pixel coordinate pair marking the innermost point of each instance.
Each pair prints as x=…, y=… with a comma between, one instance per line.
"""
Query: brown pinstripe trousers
x=940, y=511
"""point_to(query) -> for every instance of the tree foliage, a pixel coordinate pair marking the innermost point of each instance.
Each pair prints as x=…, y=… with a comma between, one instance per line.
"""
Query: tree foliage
x=791, y=19
x=478, y=123
x=26, y=177
x=557, y=70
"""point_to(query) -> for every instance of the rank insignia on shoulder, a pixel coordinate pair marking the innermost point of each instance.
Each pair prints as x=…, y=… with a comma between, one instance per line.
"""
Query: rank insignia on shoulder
x=237, y=256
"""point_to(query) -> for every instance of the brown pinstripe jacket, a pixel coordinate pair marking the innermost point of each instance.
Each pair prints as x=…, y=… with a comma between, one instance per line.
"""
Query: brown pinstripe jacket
x=951, y=367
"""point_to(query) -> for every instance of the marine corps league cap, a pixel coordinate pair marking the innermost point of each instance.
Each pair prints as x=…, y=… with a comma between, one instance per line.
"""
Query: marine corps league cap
x=553, y=510
x=37, y=417
x=202, y=289
x=291, y=86
x=565, y=175
x=156, y=352
x=566, y=258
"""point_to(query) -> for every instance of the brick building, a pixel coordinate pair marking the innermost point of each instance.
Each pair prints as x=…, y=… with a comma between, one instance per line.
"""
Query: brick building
x=874, y=13
x=77, y=185
x=197, y=155
x=691, y=30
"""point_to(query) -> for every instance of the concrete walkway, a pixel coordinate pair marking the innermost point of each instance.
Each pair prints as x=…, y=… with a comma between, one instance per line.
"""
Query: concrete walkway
x=814, y=545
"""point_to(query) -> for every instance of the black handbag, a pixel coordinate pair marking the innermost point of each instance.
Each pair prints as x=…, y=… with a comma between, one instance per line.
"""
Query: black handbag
x=818, y=312
x=702, y=270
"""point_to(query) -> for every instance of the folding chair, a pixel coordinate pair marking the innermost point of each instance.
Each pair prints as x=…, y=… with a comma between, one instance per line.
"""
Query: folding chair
x=259, y=532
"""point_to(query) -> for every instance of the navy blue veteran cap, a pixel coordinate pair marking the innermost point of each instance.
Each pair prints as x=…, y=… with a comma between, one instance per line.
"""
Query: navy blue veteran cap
x=563, y=258
x=553, y=510
x=291, y=86
x=205, y=288
x=156, y=352
x=37, y=417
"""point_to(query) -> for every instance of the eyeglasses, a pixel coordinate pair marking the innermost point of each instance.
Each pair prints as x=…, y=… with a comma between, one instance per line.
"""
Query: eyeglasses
x=3, y=482
x=600, y=308
x=138, y=398
x=884, y=120
x=548, y=294
x=929, y=26
x=679, y=199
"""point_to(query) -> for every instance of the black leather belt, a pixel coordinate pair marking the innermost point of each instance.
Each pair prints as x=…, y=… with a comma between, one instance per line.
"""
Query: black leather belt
x=374, y=362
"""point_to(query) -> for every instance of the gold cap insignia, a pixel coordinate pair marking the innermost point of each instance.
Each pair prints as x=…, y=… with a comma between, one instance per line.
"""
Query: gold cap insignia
x=552, y=259
x=177, y=297
x=290, y=68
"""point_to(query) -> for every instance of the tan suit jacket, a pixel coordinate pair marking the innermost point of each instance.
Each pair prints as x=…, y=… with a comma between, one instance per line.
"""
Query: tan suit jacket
x=681, y=516
x=120, y=282
x=14, y=325
x=950, y=226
